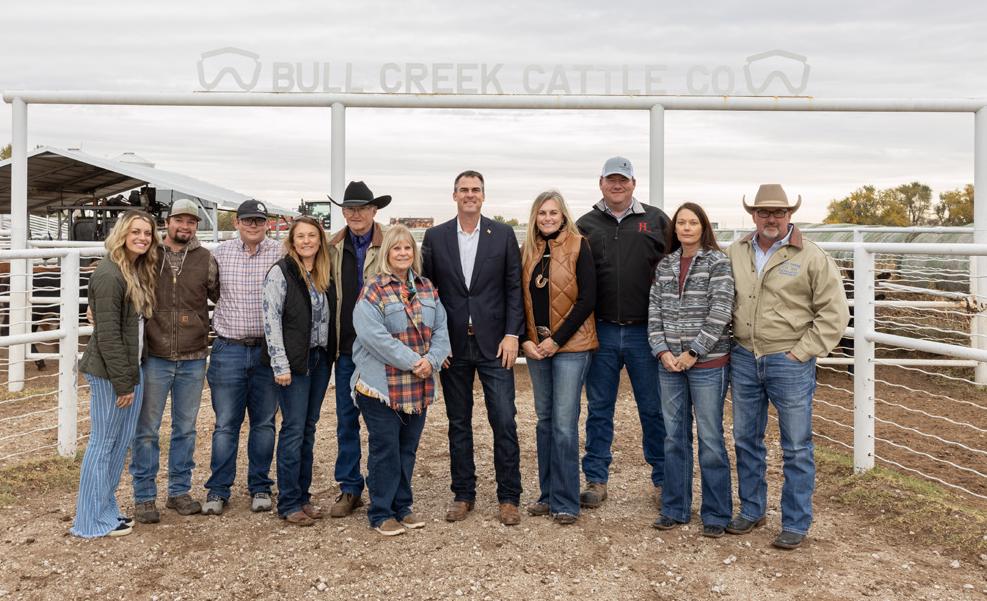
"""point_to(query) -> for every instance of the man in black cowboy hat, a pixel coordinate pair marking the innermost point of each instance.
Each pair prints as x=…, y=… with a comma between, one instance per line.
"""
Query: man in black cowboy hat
x=353, y=250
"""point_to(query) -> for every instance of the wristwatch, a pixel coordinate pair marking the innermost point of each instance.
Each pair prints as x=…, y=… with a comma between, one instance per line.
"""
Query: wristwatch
x=693, y=354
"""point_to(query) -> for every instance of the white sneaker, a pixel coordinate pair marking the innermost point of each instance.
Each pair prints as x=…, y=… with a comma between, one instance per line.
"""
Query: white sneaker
x=122, y=530
x=260, y=502
x=214, y=505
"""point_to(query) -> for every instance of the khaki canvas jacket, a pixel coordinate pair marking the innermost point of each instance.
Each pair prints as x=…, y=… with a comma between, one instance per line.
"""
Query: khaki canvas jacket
x=797, y=305
x=336, y=243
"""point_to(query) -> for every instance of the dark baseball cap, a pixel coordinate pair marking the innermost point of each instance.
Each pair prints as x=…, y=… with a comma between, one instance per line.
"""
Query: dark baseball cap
x=251, y=208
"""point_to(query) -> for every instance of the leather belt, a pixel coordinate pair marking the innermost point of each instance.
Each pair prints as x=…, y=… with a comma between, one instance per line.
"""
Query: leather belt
x=630, y=322
x=243, y=341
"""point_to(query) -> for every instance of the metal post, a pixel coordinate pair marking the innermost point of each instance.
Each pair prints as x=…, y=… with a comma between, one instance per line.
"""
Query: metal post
x=656, y=159
x=215, y=223
x=18, y=240
x=978, y=264
x=863, y=356
x=337, y=178
x=68, y=357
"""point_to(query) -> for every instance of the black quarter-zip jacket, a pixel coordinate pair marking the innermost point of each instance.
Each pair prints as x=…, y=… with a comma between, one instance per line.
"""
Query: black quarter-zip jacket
x=626, y=254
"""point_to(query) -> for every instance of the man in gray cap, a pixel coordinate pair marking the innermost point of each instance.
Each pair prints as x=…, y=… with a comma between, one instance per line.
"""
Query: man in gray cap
x=177, y=341
x=628, y=240
x=790, y=307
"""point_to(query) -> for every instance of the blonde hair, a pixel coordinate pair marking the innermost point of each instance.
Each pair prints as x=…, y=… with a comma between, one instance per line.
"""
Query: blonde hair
x=141, y=274
x=321, y=268
x=393, y=235
x=530, y=250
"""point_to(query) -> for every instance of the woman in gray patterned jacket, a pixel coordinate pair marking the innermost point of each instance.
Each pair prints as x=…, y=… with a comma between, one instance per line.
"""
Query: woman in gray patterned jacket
x=689, y=331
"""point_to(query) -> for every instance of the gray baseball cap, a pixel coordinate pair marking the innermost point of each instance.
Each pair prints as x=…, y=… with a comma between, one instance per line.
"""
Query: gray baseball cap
x=618, y=166
x=184, y=206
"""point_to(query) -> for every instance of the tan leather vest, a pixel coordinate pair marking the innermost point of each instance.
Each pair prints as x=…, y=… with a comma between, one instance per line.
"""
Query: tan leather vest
x=563, y=290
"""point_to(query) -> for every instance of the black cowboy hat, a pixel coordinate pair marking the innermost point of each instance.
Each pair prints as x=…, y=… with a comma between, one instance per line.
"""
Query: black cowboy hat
x=357, y=194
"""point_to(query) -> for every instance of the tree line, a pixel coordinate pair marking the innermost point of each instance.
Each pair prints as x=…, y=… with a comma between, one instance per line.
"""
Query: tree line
x=904, y=205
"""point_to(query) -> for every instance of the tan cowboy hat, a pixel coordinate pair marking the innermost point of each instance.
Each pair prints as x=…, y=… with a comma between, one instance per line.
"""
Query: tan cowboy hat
x=771, y=196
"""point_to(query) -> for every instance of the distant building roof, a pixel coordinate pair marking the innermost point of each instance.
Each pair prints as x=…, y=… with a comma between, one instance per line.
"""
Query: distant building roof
x=70, y=177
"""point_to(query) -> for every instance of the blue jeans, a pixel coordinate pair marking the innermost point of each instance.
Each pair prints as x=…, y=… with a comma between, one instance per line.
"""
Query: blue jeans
x=622, y=346
x=557, y=383
x=183, y=379
x=789, y=385
x=240, y=382
x=112, y=428
x=347, y=471
x=393, y=445
x=700, y=391
x=498, y=393
x=301, y=404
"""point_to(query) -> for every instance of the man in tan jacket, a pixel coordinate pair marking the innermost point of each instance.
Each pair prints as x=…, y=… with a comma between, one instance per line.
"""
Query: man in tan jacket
x=353, y=252
x=789, y=308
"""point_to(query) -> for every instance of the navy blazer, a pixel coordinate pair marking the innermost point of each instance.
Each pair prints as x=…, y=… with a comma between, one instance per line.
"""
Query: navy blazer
x=493, y=296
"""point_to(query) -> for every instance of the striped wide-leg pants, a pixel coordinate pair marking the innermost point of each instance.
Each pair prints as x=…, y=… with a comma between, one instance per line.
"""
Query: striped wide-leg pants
x=112, y=431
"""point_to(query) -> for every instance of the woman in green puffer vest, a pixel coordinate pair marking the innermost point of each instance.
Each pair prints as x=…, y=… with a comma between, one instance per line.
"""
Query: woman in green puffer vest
x=121, y=297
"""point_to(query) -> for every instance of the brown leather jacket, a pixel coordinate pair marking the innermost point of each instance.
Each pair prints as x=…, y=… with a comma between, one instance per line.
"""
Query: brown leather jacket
x=179, y=329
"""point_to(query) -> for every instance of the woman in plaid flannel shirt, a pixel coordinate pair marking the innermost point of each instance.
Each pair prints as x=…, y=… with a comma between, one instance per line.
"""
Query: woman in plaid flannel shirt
x=401, y=342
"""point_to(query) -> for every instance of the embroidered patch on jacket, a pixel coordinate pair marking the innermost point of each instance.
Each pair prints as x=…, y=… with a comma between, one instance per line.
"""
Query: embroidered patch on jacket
x=790, y=269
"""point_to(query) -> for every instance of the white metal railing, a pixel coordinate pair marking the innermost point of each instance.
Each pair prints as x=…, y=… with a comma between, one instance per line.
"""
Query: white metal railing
x=864, y=333
x=67, y=335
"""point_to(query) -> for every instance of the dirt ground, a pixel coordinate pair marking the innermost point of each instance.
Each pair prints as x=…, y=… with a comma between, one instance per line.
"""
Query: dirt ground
x=611, y=553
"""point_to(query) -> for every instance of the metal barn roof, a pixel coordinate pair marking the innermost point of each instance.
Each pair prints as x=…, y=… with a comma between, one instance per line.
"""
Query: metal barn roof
x=56, y=176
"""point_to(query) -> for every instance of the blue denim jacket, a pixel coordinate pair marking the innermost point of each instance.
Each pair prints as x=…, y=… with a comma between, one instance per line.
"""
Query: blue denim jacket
x=377, y=345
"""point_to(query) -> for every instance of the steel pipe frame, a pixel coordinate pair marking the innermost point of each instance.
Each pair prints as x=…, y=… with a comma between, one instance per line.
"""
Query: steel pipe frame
x=864, y=254
x=504, y=101
x=863, y=357
x=68, y=358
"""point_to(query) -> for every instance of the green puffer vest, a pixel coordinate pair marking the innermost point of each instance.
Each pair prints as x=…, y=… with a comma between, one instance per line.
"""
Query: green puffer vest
x=112, y=350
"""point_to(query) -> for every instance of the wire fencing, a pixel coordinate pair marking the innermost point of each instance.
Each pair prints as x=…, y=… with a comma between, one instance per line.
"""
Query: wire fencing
x=929, y=414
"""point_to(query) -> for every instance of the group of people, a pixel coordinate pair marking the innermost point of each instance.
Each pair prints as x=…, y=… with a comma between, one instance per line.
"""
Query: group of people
x=622, y=286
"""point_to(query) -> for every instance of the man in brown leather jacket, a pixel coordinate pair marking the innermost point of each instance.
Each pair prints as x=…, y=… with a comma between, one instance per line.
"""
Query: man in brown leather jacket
x=177, y=341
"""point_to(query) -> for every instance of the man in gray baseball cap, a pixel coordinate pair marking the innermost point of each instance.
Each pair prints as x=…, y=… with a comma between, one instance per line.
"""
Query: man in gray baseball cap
x=177, y=341
x=628, y=239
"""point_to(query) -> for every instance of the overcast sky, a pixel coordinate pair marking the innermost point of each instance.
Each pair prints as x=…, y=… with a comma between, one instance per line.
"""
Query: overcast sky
x=886, y=49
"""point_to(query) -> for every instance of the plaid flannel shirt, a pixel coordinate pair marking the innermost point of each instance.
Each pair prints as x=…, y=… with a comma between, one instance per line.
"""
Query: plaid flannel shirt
x=389, y=310
x=239, y=312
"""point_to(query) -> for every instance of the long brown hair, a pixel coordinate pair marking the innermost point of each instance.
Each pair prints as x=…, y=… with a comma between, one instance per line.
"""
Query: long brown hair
x=529, y=252
x=322, y=268
x=141, y=274
x=707, y=240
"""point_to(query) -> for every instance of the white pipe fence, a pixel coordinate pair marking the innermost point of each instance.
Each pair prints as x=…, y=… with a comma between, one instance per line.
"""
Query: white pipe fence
x=865, y=334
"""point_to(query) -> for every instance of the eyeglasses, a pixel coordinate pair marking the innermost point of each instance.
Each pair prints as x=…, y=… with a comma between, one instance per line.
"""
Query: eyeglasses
x=355, y=210
x=253, y=221
x=776, y=213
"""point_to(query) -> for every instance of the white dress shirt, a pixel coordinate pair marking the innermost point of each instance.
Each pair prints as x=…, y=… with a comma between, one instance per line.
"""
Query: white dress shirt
x=467, y=249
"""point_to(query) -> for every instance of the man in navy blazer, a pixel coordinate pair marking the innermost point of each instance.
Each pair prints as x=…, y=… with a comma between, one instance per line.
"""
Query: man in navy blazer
x=476, y=265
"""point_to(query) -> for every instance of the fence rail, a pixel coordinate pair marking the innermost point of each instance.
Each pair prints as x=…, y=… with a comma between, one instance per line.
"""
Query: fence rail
x=900, y=417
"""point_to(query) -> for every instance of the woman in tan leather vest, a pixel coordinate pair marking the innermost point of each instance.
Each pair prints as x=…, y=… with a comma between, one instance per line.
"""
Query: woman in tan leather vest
x=559, y=287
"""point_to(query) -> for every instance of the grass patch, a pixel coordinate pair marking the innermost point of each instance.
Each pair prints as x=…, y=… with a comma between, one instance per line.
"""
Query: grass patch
x=915, y=509
x=38, y=477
